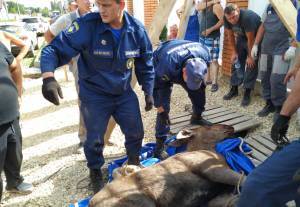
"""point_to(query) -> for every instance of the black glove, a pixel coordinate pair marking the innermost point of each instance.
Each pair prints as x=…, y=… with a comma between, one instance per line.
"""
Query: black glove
x=149, y=102
x=164, y=118
x=51, y=90
x=279, y=130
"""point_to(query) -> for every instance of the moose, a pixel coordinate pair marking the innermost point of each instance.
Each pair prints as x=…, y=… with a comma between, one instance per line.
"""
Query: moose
x=197, y=177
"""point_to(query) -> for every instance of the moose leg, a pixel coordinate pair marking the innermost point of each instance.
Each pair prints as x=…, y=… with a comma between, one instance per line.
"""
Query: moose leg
x=223, y=200
x=225, y=176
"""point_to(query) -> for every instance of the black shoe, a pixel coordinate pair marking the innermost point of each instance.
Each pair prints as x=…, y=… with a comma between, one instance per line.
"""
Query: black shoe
x=214, y=87
x=96, y=180
x=246, y=98
x=198, y=120
x=159, y=151
x=133, y=160
x=232, y=93
x=268, y=108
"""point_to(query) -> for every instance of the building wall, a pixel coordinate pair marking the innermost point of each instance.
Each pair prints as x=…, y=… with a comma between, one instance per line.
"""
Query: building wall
x=227, y=49
x=129, y=5
x=150, y=8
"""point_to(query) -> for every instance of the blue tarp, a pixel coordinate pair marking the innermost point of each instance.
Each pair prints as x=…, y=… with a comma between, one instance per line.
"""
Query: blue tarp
x=234, y=151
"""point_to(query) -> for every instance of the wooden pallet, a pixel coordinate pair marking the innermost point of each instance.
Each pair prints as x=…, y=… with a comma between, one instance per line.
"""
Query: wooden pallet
x=262, y=147
x=216, y=115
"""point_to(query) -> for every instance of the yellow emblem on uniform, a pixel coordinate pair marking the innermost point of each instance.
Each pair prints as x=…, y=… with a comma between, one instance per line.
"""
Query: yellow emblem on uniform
x=73, y=28
x=130, y=63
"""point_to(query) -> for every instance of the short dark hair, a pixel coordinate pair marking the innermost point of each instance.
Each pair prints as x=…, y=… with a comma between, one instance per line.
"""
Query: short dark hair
x=230, y=8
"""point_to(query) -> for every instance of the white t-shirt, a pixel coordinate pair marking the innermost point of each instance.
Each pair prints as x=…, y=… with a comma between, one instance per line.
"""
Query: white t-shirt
x=62, y=23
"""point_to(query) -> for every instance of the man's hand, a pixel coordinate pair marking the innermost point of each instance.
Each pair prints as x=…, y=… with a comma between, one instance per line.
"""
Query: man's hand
x=289, y=54
x=51, y=90
x=205, y=33
x=254, y=51
x=164, y=118
x=250, y=62
x=291, y=74
x=149, y=102
x=279, y=130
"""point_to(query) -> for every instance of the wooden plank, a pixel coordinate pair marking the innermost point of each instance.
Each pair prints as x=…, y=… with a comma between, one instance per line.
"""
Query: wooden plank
x=265, y=142
x=259, y=147
x=246, y=125
x=160, y=19
x=214, y=111
x=189, y=112
x=188, y=4
x=237, y=120
x=223, y=113
x=287, y=13
x=225, y=118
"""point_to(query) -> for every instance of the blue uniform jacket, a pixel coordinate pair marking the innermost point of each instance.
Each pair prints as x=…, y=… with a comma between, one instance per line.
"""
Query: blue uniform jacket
x=169, y=59
x=104, y=66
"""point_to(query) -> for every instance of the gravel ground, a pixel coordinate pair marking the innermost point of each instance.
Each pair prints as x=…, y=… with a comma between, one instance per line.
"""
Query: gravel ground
x=52, y=160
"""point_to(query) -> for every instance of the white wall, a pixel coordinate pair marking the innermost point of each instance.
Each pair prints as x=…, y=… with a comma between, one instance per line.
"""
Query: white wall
x=258, y=6
x=138, y=10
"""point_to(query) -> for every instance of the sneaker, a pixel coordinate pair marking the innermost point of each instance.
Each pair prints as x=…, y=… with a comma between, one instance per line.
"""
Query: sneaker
x=214, y=87
x=23, y=188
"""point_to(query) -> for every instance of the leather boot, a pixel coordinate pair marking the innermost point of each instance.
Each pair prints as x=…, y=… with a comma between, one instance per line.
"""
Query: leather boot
x=268, y=108
x=159, y=151
x=198, y=120
x=233, y=92
x=246, y=98
x=96, y=180
x=133, y=159
x=277, y=113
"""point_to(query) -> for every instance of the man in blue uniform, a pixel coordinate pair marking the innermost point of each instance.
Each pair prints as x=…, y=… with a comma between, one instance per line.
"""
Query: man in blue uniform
x=110, y=45
x=180, y=62
x=275, y=182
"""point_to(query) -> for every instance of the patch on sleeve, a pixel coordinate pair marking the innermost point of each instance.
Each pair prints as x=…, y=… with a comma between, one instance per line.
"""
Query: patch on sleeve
x=73, y=28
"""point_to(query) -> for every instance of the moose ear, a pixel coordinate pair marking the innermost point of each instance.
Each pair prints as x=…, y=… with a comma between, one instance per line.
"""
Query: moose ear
x=184, y=134
x=182, y=138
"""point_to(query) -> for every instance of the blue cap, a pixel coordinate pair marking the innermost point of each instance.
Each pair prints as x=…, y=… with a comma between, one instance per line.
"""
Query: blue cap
x=196, y=69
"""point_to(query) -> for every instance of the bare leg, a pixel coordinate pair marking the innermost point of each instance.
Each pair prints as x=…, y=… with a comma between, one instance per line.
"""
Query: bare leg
x=214, y=68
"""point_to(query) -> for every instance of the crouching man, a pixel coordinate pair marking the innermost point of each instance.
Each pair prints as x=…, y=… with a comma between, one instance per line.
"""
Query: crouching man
x=180, y=62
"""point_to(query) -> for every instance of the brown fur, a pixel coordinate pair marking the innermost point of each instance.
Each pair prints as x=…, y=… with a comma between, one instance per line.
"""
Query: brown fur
x=185, y=179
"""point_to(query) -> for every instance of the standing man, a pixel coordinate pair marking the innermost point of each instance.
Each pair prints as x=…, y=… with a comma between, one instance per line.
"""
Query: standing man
x=185, y=63
x=212, y=16
x=62, y=23
x=274, y=182
x=10, y=132
x=241, y=26
x=276, y=53
x=111, y=45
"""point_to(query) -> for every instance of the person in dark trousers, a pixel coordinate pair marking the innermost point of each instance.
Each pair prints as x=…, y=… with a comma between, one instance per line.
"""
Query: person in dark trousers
x=112, y=44
x=276, y=52
x=212, y=16
x=178, y=62
x=242, y=26
x=277, y=180
x=10, y=132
